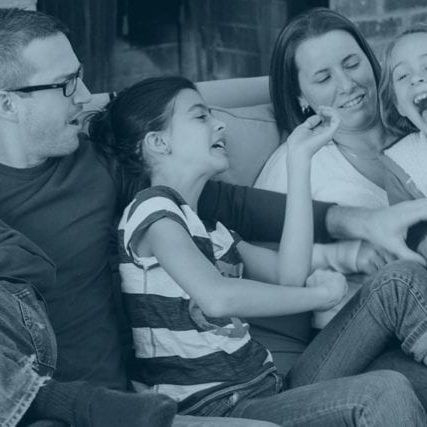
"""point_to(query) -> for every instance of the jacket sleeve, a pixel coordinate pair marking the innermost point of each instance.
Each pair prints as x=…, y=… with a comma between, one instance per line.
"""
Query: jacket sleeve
x=257, y=215
x=23, y=261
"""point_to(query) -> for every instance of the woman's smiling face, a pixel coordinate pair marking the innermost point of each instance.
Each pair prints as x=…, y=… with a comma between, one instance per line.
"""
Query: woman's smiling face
x=334, y=71
x=408, y=64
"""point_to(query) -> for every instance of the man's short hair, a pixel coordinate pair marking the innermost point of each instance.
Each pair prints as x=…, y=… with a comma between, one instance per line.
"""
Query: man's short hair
x=18, y=28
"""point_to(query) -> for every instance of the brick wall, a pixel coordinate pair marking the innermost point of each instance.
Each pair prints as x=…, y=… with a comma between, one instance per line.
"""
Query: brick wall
x=217, y=39
x=238, y=35
x=381, y=20
x=22, y=4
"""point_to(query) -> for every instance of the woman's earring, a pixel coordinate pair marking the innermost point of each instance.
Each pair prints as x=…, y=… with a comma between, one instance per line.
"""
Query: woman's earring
x=305, y=109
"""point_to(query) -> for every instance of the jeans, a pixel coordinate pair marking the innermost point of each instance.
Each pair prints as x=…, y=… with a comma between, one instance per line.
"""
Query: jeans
x=391, y=309
x=326, y=385
x=28, y=356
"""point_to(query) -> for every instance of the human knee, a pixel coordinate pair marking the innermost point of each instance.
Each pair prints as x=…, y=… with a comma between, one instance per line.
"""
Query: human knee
x=388, y=380
x=390, y=391
x=387, y=399
x=405, y=273
x=402, y=270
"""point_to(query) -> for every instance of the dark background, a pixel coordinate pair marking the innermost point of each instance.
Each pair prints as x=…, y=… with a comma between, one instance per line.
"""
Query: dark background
x=121, y=42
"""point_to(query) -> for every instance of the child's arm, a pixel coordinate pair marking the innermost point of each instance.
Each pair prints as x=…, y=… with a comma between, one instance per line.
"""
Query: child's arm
x=293, y=263
x=219, y=296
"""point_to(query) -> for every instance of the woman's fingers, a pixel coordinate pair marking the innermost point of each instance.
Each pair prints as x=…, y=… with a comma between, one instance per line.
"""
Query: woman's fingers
x=312, y=122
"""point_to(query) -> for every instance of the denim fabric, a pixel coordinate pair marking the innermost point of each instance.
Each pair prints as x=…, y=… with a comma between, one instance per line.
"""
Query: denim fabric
x=189, y=421
x=318, y=389
x=27, y=349
x=393, y=306
x=382, y=398
x=223, y=406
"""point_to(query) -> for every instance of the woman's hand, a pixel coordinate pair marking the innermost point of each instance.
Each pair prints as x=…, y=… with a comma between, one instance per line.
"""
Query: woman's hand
x=314, y=133
x=371, y=258
x=333, y=284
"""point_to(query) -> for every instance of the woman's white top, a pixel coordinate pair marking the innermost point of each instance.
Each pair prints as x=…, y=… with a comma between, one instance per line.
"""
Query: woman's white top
x=333, y=179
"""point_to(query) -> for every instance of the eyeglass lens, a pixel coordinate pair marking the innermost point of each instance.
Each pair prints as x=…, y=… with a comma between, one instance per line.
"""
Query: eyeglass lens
x=71, y=86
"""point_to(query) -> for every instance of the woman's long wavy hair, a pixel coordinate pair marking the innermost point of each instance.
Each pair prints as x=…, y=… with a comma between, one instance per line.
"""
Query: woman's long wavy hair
x=284, y=85
x=119, y=130
x=394, y=122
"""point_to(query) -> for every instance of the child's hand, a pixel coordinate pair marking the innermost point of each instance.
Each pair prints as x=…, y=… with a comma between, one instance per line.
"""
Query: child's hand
x=314, y=133
x=332, y=283
x=370, y=258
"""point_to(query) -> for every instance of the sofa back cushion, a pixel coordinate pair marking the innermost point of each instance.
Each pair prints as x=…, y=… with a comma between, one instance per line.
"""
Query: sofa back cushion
x=251, y=136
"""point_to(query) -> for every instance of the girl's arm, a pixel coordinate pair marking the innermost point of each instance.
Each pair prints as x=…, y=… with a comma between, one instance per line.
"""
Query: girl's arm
x=293, y=263
x=220, y=296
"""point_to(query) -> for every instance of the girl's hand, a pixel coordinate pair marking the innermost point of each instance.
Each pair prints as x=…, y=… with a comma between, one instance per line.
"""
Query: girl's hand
x=314, y=133
x=371, y=258
x=333, y=284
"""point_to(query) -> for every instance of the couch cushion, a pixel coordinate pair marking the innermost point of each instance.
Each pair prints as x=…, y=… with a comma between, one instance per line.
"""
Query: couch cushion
x=252, y=136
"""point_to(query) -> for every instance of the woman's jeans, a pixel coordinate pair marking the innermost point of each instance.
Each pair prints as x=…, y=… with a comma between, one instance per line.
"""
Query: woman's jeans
x=393, y=306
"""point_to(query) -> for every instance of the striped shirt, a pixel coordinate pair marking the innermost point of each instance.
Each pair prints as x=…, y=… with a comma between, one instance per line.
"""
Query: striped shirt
x=180, y=351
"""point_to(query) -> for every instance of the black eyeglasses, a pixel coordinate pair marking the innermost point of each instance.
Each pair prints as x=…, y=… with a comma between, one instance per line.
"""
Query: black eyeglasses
x=68, y=87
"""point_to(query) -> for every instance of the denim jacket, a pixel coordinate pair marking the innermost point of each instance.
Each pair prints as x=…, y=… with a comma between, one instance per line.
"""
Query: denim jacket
x=27, y=342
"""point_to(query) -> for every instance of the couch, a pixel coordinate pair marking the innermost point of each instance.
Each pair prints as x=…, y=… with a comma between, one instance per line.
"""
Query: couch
x=245, y=108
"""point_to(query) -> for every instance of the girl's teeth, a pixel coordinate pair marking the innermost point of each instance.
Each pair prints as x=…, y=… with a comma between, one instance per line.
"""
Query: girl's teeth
x=420, y=98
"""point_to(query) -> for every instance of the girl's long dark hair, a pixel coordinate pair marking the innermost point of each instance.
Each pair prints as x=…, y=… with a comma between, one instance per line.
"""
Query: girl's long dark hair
x=118, y=131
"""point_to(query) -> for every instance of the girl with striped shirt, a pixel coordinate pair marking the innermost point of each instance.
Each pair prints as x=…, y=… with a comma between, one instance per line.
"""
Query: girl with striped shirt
x=188, y=285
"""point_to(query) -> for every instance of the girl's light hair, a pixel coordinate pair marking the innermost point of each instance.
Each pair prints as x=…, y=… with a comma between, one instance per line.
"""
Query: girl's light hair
x=392, y=119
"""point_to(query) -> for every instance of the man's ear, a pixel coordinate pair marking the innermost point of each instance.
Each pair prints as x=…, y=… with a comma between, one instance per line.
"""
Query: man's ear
x=156, y=142
x=8, y=110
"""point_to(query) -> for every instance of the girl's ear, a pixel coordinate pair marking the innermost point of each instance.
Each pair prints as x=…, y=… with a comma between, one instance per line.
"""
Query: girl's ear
x=8, y=110
x=156, y=143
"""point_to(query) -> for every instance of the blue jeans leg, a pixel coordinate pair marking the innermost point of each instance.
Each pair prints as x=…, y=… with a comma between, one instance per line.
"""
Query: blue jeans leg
x=27, y=350
x=392, y=307
x=397, y=360
x=189, y=421
x=381, y=398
